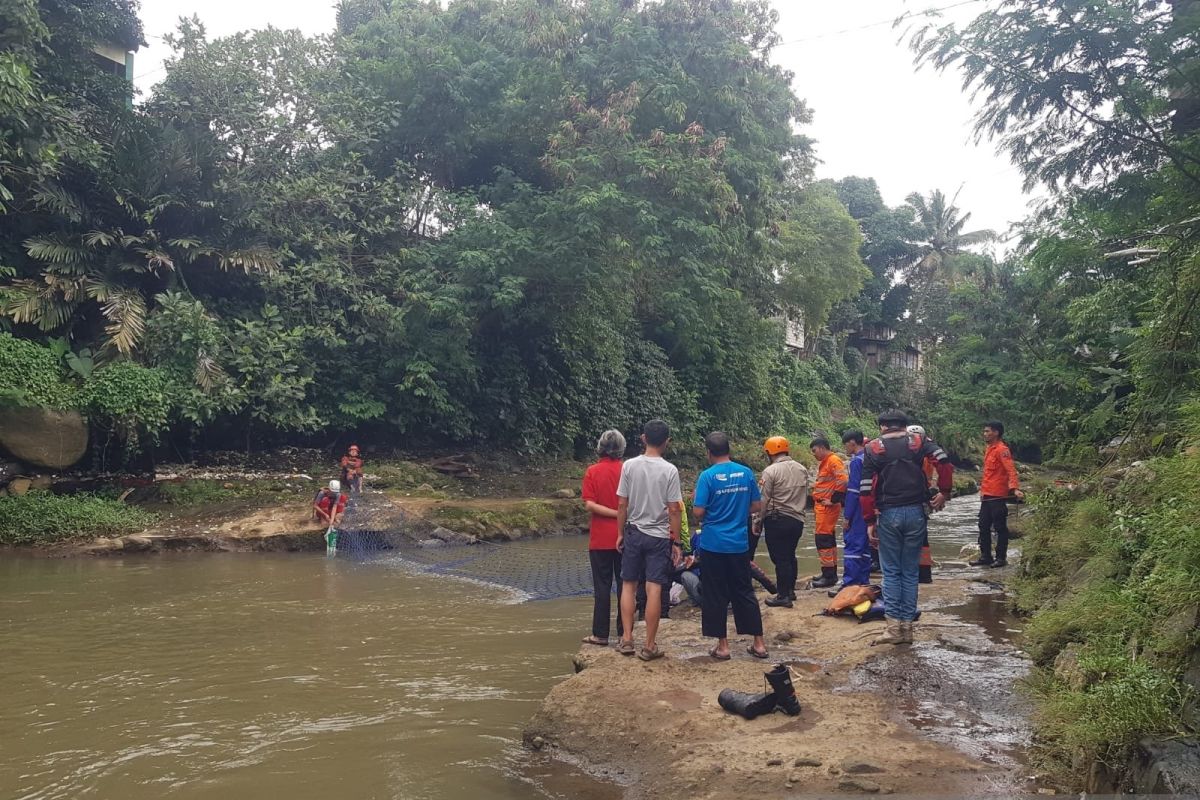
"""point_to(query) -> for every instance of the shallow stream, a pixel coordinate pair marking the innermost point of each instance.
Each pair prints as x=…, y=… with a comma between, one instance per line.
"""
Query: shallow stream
x=287, y=675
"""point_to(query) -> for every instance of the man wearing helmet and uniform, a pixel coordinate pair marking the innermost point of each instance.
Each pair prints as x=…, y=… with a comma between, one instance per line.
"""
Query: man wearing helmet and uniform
x=926, y=563
x=329, y=504
x=784, y=491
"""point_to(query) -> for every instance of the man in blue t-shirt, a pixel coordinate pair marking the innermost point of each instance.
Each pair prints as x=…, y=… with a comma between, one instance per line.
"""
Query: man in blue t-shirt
x=726, y=496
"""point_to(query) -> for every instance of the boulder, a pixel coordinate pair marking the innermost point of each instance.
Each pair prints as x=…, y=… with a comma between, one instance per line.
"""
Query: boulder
x=1170, y=767
x=452, y=537
x=860, y=766
x=44, y=437
x=19, y=486
x=564, y=494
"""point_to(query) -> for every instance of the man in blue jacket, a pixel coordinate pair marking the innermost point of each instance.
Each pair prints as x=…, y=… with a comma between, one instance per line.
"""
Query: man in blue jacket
x=856, y=555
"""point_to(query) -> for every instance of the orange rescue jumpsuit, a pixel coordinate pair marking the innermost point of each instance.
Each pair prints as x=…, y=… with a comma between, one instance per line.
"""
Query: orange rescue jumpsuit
x=830, y=486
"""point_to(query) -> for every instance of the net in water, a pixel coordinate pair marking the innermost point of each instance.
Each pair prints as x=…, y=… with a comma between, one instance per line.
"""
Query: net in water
x=538, y=569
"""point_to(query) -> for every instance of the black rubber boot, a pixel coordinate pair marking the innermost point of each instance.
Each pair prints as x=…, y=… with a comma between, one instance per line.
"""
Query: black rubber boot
x=745, y=704
x=980, y=562
x=770, y=586
x=828, y=578
x=780, y=679
x=779, y=600
x=926, y=574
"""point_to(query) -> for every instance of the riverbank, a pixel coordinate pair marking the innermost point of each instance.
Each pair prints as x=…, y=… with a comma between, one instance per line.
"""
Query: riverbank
x=870, y=715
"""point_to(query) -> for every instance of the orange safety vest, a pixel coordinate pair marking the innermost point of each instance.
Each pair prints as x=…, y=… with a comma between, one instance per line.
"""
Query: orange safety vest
x=832, y=477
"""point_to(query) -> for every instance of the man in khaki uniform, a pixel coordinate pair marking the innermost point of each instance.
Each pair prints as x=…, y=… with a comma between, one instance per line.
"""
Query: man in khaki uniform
x=785, y=484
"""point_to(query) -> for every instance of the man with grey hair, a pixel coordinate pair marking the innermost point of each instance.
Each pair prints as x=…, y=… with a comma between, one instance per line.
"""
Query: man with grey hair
x=600, y=499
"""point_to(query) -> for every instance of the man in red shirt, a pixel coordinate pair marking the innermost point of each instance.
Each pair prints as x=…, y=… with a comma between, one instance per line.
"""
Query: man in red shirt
x=999, y=483
x=600, y=498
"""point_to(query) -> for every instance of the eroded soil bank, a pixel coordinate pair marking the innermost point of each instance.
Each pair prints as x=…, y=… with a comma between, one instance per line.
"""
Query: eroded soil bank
x=939, y=717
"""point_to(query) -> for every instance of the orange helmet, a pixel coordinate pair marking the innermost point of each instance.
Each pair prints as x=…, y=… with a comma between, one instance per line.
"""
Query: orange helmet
x=776, y=445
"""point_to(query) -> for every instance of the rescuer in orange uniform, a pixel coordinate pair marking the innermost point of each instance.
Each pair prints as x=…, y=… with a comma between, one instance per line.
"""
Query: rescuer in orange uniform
x=1000, y=482
x=829, y=492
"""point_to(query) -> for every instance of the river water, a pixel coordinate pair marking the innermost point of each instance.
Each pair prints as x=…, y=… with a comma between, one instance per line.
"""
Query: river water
x=287, y=675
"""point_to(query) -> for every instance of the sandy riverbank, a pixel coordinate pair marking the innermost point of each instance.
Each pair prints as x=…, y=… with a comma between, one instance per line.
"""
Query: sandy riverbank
x=656, y=727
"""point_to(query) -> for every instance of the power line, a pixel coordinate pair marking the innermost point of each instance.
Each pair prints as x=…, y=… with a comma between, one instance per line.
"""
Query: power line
x=888, y=21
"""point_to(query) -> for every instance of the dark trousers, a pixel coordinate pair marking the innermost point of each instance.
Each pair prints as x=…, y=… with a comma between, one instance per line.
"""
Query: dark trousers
x=726, y=581
x=640, y=603
x=606, y=565
x=993, y=515
x=783, y=537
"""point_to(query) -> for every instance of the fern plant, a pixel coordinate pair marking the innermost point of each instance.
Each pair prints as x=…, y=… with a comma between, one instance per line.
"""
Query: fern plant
x=118, y=270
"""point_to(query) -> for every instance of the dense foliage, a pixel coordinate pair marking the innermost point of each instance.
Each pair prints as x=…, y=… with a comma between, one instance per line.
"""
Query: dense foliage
x=510, y=221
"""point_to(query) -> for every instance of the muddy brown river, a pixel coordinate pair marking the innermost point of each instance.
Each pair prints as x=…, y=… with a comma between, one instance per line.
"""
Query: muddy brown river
x=286, y=675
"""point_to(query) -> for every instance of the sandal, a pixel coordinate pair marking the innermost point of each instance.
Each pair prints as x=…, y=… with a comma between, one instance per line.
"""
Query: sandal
x=596, y=640
x=626, y=648
x=763, y=654
x=719, y=657
x=650, y=655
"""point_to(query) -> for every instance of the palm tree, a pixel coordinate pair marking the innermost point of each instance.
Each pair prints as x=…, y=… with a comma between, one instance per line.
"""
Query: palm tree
x=942, y=237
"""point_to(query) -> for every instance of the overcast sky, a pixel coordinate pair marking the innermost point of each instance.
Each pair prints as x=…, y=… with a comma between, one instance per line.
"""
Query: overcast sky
x=875, y=115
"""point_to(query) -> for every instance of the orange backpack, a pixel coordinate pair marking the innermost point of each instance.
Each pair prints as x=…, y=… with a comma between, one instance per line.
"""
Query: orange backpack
x=849, y=597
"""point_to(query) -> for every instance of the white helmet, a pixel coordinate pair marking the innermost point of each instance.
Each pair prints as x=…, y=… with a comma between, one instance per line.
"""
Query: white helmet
x=335, y=486
x=917, y=429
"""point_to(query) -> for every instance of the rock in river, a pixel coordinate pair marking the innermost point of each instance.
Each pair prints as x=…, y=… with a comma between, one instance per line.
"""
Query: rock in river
x=44, y=437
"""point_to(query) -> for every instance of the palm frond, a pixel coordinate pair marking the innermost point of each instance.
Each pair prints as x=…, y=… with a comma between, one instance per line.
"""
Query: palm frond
x=54, y=250
x=249, y=260
x=25, y=302
x=57, y=199
x=976, y=237
x=100, y=289
x=98, y=238
x=208, y=374
x=156, y=259
x=68, y=283
x=125, y=311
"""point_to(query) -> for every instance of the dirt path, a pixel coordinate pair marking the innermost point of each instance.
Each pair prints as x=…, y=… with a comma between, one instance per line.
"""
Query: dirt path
x=657, y=727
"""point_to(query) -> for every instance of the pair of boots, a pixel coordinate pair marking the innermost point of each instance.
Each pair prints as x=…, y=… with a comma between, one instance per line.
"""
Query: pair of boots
x=782, y=696
x=897, y=632
x=828, y=578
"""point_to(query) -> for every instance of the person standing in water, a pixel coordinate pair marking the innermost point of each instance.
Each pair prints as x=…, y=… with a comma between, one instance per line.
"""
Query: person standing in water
x=600, y=499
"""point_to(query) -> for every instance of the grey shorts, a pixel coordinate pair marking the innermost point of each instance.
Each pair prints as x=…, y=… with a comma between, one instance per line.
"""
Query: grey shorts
x=646, y=558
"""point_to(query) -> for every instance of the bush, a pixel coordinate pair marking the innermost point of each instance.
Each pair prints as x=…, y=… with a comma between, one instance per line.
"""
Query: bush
x=1117, y=578
x=40, y=518
x=129, y=401
x=31, y=374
